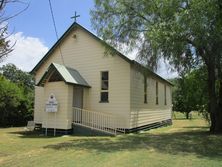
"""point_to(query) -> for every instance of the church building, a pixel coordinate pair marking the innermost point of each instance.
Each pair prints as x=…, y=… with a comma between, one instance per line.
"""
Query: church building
x=78, y=86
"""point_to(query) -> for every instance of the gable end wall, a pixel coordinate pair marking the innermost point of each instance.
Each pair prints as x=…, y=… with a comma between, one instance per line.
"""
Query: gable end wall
x=86, y=55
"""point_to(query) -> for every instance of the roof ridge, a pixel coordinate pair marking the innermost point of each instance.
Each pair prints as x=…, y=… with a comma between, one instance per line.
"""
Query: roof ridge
x=97, y=38
x=64, y=35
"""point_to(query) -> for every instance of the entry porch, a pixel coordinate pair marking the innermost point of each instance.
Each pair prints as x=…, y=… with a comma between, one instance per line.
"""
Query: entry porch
x=71, y=91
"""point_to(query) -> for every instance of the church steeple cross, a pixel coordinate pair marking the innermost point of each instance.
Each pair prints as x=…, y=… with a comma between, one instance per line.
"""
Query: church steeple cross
x=75, y=16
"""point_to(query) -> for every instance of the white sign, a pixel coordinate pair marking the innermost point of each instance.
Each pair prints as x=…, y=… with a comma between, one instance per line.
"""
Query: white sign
x=51, y=104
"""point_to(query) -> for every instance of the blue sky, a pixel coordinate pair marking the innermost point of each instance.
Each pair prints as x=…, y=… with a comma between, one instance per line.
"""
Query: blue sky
x=34, y=34
x=36, y=21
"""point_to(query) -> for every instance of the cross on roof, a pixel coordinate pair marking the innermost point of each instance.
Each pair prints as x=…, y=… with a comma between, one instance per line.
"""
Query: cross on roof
x=75, y=16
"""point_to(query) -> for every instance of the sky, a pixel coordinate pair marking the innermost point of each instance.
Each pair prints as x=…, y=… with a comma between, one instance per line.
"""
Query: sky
x=33, y=33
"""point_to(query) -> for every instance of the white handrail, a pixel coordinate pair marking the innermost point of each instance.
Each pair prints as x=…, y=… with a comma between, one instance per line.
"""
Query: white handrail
x=101, y=121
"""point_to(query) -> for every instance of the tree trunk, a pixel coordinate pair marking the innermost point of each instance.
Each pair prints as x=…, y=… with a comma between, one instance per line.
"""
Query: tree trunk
x=213, y=107
x=219, y=121
x=212, y=95
x=187, y=115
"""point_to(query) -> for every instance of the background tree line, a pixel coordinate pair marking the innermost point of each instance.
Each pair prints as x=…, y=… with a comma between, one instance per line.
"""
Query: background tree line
x=16, y=96
x=190, y=92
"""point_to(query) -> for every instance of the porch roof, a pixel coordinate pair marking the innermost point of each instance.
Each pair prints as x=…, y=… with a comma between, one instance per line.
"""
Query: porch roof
x=68, y=75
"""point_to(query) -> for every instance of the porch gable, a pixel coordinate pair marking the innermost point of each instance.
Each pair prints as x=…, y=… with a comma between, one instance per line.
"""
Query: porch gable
x=67, y=74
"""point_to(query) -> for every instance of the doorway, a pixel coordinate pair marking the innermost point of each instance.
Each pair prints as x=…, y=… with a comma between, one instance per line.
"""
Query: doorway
x=78, y=97
x=78, y=103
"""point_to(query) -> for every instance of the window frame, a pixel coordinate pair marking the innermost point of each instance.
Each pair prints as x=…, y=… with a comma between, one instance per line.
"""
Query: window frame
x=145, y=89
x=157, y=93
x=165, y=95
x=102, y=90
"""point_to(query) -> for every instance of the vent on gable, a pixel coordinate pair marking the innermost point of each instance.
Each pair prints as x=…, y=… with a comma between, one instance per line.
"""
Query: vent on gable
x=74, y=36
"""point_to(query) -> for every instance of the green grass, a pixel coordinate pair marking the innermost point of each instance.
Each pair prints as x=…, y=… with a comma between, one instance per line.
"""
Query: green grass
x=185, y=143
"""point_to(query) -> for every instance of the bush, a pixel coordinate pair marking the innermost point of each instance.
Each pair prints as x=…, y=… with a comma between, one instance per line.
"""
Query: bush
x=16, y=96
x=11, y=97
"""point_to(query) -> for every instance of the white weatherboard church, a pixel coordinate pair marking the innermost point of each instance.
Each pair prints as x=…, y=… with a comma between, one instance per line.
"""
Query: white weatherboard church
x=84, y=88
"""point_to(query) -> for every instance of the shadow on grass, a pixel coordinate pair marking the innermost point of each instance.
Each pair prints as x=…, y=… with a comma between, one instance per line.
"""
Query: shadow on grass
x=179, y=119
x=40, y=134
x=196, y=127
x=182, y=118
x=194, y=142
x=32, y=134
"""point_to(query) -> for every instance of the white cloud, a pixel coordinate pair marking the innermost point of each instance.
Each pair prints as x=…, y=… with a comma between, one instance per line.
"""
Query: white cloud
x=132, y=55
x=165, y=70
x=27, y=51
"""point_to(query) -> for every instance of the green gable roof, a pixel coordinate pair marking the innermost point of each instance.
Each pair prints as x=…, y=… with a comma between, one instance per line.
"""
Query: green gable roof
x=68, y=75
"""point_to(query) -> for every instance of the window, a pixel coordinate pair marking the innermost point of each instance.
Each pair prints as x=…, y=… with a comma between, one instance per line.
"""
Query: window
x=157, y=100
x=145, y=89
x=165, y=98
x=104, y=94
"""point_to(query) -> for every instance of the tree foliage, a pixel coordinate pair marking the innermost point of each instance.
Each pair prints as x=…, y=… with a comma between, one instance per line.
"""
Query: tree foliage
x=190, y=92
x=186, y=33
x=172, y=29
x=12, y=73
x=11, y=97
x=16, y=96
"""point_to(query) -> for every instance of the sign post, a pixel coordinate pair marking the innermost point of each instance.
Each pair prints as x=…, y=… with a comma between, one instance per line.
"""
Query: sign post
x=51, y=107
x=55, y=125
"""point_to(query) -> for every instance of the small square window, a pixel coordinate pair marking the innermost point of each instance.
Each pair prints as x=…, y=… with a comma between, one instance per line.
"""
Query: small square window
x=105, y=85
x=104, y=97
x=105, y=76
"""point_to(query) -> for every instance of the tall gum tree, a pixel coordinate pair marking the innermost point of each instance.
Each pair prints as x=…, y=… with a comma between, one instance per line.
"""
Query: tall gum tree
x=187, y=33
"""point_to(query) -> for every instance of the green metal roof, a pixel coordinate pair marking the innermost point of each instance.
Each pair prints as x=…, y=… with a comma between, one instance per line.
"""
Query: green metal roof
x=69, y=75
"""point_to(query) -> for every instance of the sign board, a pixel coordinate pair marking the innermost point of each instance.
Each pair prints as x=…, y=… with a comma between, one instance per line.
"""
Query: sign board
x=51, y=104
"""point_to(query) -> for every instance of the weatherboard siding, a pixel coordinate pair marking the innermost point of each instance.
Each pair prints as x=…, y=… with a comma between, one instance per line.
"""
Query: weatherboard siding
x=147, y=113
x=58, y=120
x=38, y=104
x=86, y=55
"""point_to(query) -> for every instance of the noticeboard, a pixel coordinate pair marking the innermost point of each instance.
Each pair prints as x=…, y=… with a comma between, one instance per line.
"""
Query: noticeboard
x=51, y=104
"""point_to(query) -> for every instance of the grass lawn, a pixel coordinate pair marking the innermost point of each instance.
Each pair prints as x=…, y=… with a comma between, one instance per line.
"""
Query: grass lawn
x=185, y=143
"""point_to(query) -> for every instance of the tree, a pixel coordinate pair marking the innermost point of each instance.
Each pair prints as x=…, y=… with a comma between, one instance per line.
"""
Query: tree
x=5, y=46
x=189, y=92
x=184, y=32
x=10, y=99
x=12, y=73
x=16, y=95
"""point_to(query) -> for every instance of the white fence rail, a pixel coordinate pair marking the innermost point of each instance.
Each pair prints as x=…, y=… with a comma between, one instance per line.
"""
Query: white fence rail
x=97, y=120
